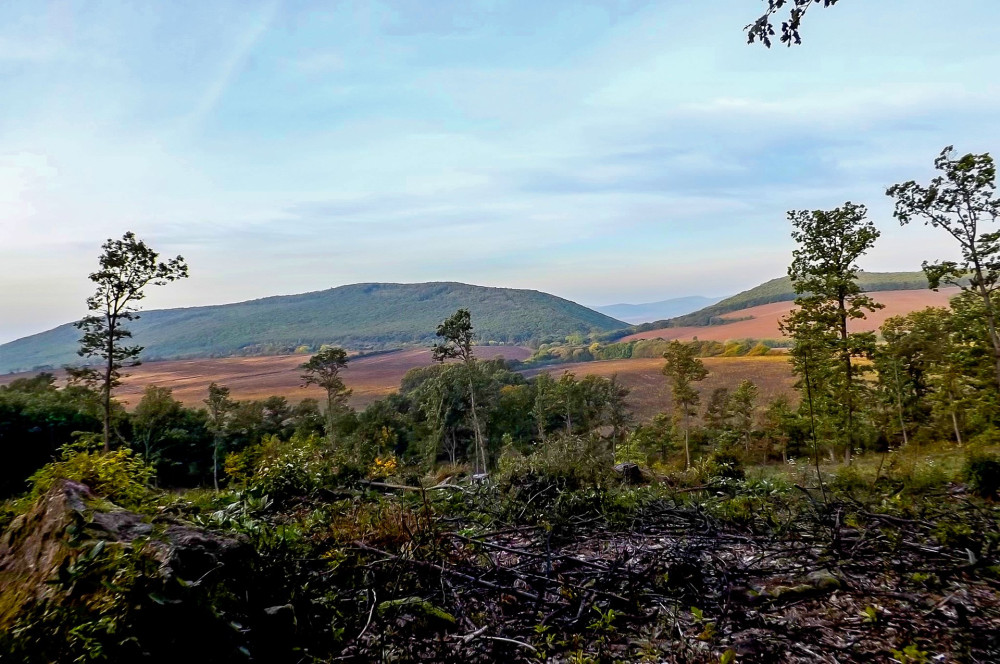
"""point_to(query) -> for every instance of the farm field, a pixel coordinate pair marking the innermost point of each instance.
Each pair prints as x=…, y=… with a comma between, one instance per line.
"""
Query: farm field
x=376, y=376
x=370, y=377
x=650, y=394
x=763, y=319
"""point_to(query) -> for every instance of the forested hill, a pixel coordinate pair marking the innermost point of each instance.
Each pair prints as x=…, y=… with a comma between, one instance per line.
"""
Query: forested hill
x=359, y=316
x=781, y=290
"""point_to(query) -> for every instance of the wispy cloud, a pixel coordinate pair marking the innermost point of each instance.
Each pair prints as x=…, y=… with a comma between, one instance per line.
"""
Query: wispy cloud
x=605, y=150
x=230, y=68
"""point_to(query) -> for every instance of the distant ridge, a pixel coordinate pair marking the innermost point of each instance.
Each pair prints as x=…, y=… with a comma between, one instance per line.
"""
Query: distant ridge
x=651, y=311
x=370, y=316
x=781, y=290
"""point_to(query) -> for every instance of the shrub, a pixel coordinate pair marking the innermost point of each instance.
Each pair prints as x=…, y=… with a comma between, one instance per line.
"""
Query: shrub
x=567, y=462
x=982, y=472
x=721, y=464
x=296, y=467
x=849, y=479
x=121, y=476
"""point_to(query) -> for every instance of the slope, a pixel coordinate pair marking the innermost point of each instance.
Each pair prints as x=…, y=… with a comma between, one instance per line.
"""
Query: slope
x=781, y=290
x=359, y=316
x=650, y=311
x=761, y=321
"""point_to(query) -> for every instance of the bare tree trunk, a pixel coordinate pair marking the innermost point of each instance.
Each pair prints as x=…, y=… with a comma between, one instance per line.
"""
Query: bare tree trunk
x=480, y=448
x=812, y=429
x=687, y=445
x=954, y=419
x=899, y=403
x=215, y=463
x=108, y=371
x=849, y=386
x=330, y=418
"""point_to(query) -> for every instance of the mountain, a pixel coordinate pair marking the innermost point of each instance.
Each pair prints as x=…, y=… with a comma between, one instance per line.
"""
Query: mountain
x=781, y=290
x=358, y=317
x=650, y=311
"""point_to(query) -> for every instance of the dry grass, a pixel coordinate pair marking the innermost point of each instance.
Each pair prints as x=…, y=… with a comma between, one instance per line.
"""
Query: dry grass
x=258, y=377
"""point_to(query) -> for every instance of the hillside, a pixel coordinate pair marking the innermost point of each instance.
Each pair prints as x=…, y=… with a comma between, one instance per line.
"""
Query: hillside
x=359, y=316
x=781, y=290
x=651, y=311
x=761, y=321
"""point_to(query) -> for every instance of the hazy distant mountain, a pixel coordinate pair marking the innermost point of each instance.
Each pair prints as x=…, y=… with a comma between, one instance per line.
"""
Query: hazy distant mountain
x=360, y=316
x=650, y=311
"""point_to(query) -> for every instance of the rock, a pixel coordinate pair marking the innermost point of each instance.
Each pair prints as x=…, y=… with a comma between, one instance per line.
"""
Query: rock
x=417, y=610
x=820, y=582
x=69, y=520
x=281, y=621
x=630, y=473
x=824, y=580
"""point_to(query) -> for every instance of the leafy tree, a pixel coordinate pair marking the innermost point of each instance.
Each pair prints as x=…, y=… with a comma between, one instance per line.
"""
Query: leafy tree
x=323, y=369
x=718, y=416
x=546, y=403
x=570, y=398
x=963, y=202
x=219, y=406
x=457, y=337
x=684, y=368
x=813, y=360
x=36, y=419
x=763, y=28
x=824, y=273
x=154, y=416
x=127, y=266
x=742, y=405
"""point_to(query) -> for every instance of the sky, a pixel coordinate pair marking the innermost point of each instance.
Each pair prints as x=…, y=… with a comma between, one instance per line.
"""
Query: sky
x=601, y=150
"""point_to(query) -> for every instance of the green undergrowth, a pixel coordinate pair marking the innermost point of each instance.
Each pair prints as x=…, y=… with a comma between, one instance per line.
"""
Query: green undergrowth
x=327, y=547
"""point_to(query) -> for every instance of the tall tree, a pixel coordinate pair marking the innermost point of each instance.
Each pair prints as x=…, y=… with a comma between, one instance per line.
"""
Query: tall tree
x=323, y=369
x=962, y=202
x=457, y=337
x=813, y=360
x=824, y=273
x=684, y=368
x=219, y=406
x=743, y=404
x=127, y=266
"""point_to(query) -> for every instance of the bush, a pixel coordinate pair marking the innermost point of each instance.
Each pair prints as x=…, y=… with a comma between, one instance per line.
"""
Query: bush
x=286, y=469
x=121, y=476
x=720, y=464
x=568, y=463
x=982, y=472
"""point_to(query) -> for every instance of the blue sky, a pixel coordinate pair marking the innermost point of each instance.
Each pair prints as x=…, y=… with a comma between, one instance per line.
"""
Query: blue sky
x=604, y=151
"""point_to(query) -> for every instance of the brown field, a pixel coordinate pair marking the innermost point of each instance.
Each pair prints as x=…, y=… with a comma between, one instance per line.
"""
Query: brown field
x=370, y=377
x=763, y=321
x=376, y=376
x=650, y=394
